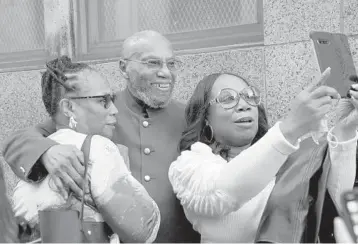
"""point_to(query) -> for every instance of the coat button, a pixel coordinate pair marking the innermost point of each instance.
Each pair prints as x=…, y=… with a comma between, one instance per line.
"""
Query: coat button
x=147, y=178
x=145, y=124
x=146, y=151
x=22, y=170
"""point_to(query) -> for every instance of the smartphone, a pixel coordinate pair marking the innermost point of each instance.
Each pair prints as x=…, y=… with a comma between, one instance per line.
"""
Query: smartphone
x=349, y=212
x=332, y=50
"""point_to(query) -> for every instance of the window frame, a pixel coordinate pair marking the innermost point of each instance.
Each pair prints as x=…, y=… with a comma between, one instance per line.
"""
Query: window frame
x=183, y=43
x=88, y=48
x=23, y=60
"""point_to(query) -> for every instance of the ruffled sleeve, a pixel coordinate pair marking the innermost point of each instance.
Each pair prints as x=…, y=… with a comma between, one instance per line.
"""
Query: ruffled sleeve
x=194, y=183
x=209, y=186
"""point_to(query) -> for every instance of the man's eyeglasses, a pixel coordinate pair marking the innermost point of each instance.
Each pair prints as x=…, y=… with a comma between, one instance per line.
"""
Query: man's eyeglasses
x=106, y=99
x=157, y=64
x=229, y=98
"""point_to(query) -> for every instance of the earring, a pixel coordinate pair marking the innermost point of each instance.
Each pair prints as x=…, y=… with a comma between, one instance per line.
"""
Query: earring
x=208, y=129
x=73, y=123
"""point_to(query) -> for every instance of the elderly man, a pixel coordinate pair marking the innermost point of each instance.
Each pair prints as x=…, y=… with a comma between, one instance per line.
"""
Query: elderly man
x=149, y=124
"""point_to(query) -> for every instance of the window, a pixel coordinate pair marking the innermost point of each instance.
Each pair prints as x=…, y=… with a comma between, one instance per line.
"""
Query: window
x=22, y=34
x=100, y=26
x=189, y=24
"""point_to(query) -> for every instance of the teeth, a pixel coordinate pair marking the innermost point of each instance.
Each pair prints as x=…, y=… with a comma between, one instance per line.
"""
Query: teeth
x=245, y=120
x=162, y=86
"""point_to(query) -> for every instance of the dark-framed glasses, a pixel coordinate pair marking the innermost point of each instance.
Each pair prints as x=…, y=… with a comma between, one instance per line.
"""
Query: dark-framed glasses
x=229, y=98
x=106, y=99
x=157, y=64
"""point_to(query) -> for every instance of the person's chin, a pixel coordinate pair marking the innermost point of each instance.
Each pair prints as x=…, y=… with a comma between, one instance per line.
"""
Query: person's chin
x=244, y=137
x=108, y=132
x=161, y=101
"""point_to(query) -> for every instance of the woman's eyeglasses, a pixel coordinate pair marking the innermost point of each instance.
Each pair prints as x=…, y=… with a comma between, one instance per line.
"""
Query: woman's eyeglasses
x=229, y=98
x=107, y=99
x=157, y=64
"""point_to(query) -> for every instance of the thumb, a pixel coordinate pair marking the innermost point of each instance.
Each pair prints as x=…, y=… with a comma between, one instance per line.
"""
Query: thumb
x=341, y=232
x=345, y=108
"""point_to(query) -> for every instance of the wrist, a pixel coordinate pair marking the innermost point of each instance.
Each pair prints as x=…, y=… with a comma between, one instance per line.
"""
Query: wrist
x=290, y=132
x=43, y=158
x=344, y=132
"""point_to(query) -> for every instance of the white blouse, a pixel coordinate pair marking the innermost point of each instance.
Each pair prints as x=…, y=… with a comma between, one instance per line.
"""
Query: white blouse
x=225, y=201
x=106, y=172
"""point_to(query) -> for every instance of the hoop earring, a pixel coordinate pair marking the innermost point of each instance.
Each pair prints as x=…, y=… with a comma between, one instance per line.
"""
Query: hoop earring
x=73, y=123
x=208, y=129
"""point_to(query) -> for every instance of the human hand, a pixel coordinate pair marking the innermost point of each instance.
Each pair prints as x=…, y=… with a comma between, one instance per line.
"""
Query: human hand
x=308, y=108
x=347, y=109
x=347, y=113
x=64, y=164
x=341, y=232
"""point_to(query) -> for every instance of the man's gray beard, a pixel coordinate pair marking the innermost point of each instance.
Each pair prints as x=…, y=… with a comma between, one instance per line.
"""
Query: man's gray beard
x=150, y=102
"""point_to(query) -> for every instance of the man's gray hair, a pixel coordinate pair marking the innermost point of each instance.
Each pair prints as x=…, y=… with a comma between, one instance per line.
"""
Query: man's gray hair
x=130, y=44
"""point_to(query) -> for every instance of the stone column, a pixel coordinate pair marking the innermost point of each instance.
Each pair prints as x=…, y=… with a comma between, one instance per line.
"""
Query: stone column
x=59, y=27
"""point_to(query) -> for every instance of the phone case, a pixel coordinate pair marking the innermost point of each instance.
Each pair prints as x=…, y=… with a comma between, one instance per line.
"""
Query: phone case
x=350, y=212
x=332, y=50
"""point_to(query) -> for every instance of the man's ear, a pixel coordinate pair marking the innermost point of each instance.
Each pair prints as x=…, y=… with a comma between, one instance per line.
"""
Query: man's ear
x=67, y=107
x=123, y=68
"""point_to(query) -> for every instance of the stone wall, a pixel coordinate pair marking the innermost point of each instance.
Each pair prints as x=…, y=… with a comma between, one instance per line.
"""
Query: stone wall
x=280, y=68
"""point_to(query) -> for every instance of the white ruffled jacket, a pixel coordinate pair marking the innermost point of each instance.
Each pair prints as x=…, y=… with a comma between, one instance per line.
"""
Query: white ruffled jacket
x=225, y=201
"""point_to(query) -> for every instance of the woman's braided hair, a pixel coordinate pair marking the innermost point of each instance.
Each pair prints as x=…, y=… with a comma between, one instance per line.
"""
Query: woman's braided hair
x=54, y=82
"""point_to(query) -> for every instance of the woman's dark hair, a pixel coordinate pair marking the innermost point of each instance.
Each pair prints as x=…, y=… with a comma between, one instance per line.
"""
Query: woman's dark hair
x=54, y=82
x=196, y=113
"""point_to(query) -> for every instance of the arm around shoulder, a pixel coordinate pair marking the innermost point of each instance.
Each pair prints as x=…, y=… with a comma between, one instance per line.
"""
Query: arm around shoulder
x=23, y=149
